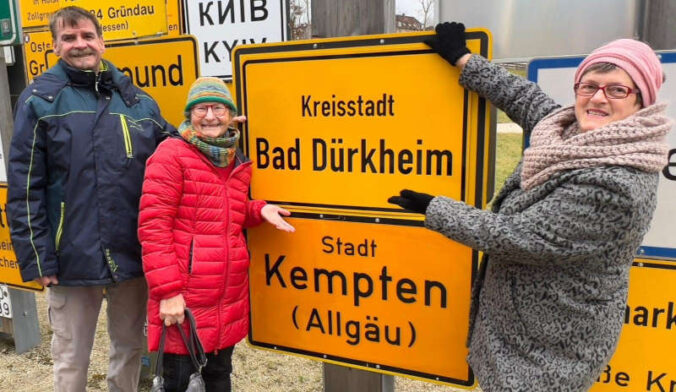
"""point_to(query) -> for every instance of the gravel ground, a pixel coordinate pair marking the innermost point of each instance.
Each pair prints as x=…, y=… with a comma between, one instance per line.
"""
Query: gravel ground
x=254, y=370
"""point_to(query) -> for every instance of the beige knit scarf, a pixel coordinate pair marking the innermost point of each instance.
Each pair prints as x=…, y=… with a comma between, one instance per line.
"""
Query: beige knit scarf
x=557, y=144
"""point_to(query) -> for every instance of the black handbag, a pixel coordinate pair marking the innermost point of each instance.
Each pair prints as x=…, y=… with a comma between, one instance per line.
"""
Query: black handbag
x=195, y=350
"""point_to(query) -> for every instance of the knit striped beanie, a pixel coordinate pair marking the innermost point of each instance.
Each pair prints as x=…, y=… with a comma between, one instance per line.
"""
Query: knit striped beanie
x=208, y=89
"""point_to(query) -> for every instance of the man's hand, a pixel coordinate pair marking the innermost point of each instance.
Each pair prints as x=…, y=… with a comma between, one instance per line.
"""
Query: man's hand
x=273, y=214
x=412, y=201
x=47, y=281
x=172, y=310
x=449, y=41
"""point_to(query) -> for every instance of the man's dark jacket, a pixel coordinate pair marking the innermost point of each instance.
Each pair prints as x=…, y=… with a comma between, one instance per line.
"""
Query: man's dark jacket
x=78, y=153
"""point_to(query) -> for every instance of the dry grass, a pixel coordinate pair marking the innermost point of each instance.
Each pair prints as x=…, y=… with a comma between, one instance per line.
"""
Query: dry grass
x=509, y=153
x=254, y=370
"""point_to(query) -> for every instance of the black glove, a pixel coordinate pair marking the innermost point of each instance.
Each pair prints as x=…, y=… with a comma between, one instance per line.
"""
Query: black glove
x=412, y=201
x=449, y=41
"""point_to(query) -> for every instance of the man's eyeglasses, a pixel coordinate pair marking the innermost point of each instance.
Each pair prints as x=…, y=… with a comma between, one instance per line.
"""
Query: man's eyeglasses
x=219, y=110
x=611, y=91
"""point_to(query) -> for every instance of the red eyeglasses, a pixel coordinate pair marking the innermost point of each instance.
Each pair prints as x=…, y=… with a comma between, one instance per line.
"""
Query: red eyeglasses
x=202, y=109
x=611, y=91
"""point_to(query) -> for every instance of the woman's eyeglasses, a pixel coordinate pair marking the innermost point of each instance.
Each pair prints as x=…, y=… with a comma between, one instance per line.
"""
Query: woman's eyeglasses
x=202, y=110
x=611, y=91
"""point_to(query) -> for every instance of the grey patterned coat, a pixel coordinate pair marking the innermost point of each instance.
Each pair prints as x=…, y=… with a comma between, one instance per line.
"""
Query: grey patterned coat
x=551, y=301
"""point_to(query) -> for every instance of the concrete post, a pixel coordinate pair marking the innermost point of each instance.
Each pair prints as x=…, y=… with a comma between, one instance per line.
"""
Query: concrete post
x=332, y=18
x=352, y=17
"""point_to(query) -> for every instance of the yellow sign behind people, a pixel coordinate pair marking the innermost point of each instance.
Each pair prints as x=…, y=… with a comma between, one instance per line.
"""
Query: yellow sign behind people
x=164, y=68
x=35, y=46
x=645, y=360
x=9, y=267
x=36, y=13
x=122, y=19
x=36, y=43
x=334, y=128
x=173, y=18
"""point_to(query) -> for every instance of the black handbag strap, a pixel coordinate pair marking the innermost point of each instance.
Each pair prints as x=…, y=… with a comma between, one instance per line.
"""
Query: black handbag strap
x=193, y=344
x=159, y=366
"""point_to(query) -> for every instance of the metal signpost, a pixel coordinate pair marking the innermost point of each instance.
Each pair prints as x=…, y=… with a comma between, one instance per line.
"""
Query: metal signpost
x=644, y=359
x=334, y=128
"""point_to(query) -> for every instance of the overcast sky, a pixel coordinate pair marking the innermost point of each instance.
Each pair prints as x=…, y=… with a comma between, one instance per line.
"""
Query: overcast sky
x=408, y=7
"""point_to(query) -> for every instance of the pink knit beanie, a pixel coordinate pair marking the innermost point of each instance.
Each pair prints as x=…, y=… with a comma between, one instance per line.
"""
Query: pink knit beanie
x=635, y=58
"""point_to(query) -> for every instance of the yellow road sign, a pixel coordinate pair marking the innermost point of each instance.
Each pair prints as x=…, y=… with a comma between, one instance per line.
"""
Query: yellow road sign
x=334, y=128
x=122, y=19
x=363, y=295
x=36, y=13
x=37, y=42
x=164, y=68
x=35, y=46
x=644, y=360
x=173, y=18
x=126, y=19
x=369, y=119
x=9, y=267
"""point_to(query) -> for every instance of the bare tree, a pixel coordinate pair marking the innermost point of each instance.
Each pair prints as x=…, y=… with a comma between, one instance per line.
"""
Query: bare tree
x=426, y=11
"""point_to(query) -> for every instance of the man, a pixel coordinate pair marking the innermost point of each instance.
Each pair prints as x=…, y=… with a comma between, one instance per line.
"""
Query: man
x=82, y=134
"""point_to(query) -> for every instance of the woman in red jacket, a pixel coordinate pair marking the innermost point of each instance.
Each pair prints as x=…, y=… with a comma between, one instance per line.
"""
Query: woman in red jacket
x=193, y=209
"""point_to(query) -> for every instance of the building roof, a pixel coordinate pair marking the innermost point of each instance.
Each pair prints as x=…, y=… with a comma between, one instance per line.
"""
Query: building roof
x=407, y=23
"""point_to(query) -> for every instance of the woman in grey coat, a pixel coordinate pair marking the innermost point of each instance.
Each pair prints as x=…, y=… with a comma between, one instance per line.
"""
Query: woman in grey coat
x=548, y=307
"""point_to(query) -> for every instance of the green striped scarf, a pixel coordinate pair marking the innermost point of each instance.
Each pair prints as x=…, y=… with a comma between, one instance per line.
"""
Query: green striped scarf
x=219, y=150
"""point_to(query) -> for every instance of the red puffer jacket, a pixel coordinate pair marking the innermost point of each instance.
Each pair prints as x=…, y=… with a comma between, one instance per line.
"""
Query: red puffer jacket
x=190, y=227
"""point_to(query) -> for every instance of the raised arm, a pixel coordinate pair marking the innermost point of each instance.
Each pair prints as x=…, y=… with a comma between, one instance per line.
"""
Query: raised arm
x=523, y=101
x=590, y=212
